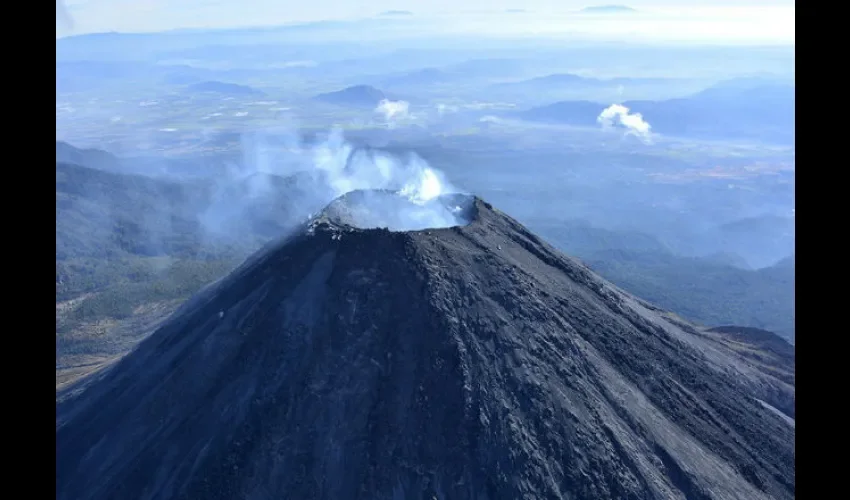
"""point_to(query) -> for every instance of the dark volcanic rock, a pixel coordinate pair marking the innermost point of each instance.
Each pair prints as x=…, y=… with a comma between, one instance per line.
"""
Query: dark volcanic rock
x=472, y=362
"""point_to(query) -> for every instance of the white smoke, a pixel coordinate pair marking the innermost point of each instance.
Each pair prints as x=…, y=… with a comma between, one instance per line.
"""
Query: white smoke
x=347, y=169
x=617, y=114
x=424, y=186
x=318, y=173
x=64, y=21
x=393, y=111
x=381, y=209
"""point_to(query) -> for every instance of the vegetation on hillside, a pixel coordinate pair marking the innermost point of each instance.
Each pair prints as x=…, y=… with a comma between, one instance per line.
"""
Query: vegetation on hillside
x=703, y=290
x=115, y=288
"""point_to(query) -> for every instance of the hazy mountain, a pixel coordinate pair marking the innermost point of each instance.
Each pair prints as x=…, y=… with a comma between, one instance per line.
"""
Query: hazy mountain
x=715, y=290
x=355, y=96
x=130, y=248
x=108, y=214
x=760, y=228
x=85, y=75
x=484, y=71
x=578, y=113
x=580, y=238
x=731, y=112
x=93, y=158
x=786, y=263
x=467, y=362
x=425, y=76
x=569, y=81
x=501, y=67
x=224, y=88
x=766, y=112
x=105, y=214
x=170, y=169
x=704, y=290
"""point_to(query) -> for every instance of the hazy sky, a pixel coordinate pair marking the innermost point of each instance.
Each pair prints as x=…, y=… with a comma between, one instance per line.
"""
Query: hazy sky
x=750, y=20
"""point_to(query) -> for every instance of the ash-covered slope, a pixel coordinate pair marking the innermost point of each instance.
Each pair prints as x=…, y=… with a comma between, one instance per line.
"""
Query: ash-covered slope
x=471, y=362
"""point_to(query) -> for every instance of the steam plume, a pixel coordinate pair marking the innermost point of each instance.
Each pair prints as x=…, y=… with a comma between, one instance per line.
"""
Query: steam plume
x=393, y=110
x=320, y=172
x=383, y=209
x=617, y=114
x=64, y=21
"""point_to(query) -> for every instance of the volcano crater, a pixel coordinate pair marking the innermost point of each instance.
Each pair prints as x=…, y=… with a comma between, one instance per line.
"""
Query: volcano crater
x=397, y=212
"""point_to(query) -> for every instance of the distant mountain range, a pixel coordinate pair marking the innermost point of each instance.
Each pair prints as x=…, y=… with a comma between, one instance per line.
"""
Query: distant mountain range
x=472, y=71
x=75, y=76
x=750, y=232
x=712, y=290
x=704, y=290
x=93, y=158
x=355, y=96
x=224, y=88
x=726, y=111
x=482, y=70
x=425, y=76
x=171, y=168
x=560, y=81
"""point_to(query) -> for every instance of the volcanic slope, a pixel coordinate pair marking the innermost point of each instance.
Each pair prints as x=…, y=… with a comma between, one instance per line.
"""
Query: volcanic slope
x=471, y=362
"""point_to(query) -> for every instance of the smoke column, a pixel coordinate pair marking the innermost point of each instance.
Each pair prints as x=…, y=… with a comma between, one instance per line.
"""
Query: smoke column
x=318, y=173
x=617, y=114
x=64, y=21
x=392, y=111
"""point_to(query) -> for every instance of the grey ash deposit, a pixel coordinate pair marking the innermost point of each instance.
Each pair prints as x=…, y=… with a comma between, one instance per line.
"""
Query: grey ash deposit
x=468, y=362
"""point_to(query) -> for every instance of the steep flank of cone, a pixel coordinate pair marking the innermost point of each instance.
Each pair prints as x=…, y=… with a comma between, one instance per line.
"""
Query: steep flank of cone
x=470, y=362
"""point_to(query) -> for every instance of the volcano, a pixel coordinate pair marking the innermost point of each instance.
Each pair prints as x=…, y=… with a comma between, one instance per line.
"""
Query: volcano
x=474, y=361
